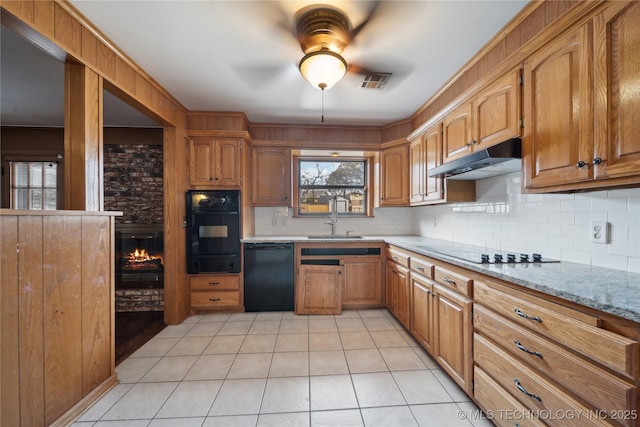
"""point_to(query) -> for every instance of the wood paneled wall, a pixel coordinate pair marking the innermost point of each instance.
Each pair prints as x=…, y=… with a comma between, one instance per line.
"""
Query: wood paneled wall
x=57, y=329
x=59, y=29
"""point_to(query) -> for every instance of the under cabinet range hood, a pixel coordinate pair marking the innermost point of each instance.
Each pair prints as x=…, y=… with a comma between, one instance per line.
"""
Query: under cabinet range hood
x=499, y=159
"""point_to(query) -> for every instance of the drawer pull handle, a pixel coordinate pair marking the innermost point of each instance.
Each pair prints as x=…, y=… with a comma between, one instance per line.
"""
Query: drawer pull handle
x=526, y=350
x=214, y=283
x=526, y=316
x=449, y=281
x=421, y=269
x=524, y=390
x=395, y=258
x=214, y=299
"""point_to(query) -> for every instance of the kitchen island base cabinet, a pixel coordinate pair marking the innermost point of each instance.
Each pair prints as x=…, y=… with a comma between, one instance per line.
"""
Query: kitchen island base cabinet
x=319, y=289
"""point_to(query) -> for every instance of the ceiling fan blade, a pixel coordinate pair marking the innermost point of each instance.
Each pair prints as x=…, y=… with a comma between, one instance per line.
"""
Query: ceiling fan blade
x=371, y=13
x=259, y=76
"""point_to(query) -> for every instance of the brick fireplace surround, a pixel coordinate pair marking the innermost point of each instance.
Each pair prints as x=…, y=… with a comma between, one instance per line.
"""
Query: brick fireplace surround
x=133, y=184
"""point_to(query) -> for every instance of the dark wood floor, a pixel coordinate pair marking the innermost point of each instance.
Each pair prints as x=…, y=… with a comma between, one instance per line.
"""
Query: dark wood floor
x=134, y=329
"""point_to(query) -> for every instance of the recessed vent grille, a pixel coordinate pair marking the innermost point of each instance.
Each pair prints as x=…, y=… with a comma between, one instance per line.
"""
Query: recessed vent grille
x=375, y=80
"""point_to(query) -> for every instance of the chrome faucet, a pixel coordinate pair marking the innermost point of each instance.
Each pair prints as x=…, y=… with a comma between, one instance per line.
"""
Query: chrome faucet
x=333, y=217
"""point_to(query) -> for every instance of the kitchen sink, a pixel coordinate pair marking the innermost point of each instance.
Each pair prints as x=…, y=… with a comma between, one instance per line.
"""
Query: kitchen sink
x=335, y=236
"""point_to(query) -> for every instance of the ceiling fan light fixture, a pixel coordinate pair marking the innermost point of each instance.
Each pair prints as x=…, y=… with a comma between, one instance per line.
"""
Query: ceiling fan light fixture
x=323, y=68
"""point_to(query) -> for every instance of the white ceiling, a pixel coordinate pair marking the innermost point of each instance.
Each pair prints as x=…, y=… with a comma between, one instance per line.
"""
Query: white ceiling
x=242, y=56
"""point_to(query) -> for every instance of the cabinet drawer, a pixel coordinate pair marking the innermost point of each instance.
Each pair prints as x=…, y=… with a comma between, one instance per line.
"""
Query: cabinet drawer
x=615, y=351
x=501, y=408
x=398, y=256
x=209, y=282
x=530, y=388
x=224, y=299
x=454, y=279
x=422, y=266
x=585, y=379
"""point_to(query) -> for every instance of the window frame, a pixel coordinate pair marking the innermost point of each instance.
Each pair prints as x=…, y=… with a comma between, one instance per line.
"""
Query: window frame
x=7, y=190
x=368, y=187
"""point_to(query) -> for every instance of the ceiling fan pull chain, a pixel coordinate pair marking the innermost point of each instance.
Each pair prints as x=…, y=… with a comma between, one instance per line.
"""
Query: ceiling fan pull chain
x=322, y=118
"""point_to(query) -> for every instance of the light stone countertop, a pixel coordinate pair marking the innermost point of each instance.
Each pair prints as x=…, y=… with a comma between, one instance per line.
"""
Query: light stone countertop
x=611, y=291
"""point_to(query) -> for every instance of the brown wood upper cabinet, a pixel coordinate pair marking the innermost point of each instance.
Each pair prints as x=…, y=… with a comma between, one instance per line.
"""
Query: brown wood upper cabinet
x=215, y=162
x=271, y=176
x=425, y=153
x=394, y=176
x=490, y=117
x=581, y=127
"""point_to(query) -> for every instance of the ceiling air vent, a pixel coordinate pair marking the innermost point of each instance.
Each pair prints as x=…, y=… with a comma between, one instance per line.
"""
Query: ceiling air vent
x=375, y=80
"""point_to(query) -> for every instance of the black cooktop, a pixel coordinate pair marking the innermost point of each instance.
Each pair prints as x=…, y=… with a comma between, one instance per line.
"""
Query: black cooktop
x=480, y=255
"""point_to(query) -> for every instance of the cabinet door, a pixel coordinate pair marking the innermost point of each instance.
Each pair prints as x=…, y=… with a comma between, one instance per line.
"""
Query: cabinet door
x=417, y=178
x=457, y=138
x=389, y=285
x=617, y=65
x=319, y=289
x=401, y=295
x=453, y=335
x=201, y=166
x=227, y=162
x=433, y=187
x=271, y=179
x=557, y=147
x=363, y=281
x=422, y=311
x=497, y=111
x=394, y=186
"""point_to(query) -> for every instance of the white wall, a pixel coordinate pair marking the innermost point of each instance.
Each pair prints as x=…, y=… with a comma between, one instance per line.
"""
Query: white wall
x=556, y=225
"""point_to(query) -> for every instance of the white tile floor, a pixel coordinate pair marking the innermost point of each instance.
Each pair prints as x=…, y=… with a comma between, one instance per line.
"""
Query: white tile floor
x=361, y=368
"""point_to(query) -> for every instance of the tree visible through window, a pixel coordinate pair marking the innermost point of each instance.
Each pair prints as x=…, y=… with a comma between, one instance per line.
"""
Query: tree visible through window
x=34, y=185
x=323, y=182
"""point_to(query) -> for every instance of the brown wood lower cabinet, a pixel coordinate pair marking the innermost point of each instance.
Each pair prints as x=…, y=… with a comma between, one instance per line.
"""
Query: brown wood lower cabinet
x=57, y=306
x=353, y=271
x=319, y=289
x=525, y=358
x=453, y=330
x=500, y=407
x=215, y=292
x=363, y=281
x=397, y=282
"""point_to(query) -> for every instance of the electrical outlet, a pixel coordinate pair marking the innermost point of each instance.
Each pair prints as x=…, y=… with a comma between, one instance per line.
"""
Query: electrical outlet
x=433, y=222
x=599, y=232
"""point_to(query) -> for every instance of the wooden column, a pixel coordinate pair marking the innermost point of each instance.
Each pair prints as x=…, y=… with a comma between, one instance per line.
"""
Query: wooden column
x=83, y=139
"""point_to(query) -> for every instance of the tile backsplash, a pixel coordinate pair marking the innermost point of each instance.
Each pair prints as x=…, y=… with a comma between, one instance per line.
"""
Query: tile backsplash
x=556, y=225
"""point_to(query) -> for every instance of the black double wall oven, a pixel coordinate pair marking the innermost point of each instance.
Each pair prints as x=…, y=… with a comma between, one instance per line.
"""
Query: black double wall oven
x=213, y=231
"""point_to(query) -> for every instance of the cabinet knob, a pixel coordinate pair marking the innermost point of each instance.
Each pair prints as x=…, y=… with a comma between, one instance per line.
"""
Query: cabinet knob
x=210, y=178
x=581, y=164
x=597, y=161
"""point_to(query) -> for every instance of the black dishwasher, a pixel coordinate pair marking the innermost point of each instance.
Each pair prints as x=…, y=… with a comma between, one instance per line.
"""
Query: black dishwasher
x=268, y=276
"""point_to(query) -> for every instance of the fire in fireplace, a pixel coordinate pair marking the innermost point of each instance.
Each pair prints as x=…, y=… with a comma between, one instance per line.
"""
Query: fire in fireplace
x=139, y=256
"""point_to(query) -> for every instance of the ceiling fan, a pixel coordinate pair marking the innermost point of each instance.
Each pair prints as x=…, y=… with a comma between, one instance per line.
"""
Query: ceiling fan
x=324, y=32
